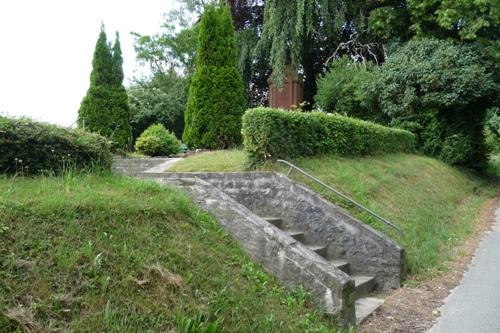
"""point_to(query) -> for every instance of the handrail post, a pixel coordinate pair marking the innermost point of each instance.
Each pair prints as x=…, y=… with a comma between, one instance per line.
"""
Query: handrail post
x=357, y=204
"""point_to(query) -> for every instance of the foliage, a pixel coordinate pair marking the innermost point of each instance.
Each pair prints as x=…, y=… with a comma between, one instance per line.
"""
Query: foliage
x=216, y=101
x=158, y=100
x=492, y=130
x=270, y=134
x=253, y=66
x=173, y=49
x=110, y=254
x=117, y=62
x=341, y=90
x=157, y=141
x=104, y=109
x=467, y=19
x=288, y=24
x=439, y=90
x=305, y=33
x=402, y=20
x=28, y=147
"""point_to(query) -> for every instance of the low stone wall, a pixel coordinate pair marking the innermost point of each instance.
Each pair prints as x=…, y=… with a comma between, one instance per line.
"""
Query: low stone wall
x=287, y=259
x=135, y=166
x=368, y=251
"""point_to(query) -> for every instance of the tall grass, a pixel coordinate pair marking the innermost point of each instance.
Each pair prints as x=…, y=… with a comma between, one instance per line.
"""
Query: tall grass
x=100, y=253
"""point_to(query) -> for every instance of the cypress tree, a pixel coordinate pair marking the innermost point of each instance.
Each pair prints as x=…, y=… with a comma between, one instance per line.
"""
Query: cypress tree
x=104, y=109
x=117, y=61
x=121, y=112
x=216, y=96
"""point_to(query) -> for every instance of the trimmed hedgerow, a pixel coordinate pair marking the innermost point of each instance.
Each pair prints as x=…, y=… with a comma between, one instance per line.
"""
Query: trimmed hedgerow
x=28, y=147
x=269, y=134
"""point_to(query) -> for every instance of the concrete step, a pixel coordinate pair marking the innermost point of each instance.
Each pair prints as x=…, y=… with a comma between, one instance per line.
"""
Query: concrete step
x=365, y=307
x=296, y=234
x=276, y=221
x=363, y=285
x=319, y=249
x=340, y=264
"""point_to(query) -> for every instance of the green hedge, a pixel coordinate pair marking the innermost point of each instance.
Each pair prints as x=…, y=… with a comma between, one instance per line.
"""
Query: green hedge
x=29, y=147
x=269, y=134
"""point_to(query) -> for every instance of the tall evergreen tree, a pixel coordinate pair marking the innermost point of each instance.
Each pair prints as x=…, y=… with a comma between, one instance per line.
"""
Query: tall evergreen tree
x=104, y=109
x=216, y=96
x=117, y=62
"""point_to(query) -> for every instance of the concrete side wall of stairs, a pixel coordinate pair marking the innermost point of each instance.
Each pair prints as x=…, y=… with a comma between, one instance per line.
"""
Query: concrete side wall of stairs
x=301, y=238
x=342, y=237
x=289, y=260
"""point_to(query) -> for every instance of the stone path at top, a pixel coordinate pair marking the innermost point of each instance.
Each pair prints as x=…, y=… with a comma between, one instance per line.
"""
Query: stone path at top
x=474, y=306
x=164, y=166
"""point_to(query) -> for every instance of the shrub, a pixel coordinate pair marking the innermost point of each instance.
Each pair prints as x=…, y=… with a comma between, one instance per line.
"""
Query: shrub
x=341, y=90
x=157, y=141
x=492, y=130
x=269, y=134
x=440, y=90
x=32, y=148
x=159, y=100
x=216, y=99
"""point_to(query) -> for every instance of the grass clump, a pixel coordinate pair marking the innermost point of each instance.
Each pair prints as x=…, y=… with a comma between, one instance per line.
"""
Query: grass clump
x=435, y=204
x=92, y=253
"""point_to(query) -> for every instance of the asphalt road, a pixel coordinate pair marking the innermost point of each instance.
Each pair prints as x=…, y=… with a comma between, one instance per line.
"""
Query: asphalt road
x=474, y=306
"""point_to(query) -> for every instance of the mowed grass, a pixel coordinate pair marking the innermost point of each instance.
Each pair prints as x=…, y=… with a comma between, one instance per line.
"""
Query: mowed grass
x=92, y=253
x=212, y=161
x=435, y=204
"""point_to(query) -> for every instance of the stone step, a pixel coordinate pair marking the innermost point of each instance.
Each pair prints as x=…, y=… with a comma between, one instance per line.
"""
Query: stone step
x=276, y=221
x=296, y=234
x=343, y=265
x=319, y=249
x=363, y=285
x=365, y=307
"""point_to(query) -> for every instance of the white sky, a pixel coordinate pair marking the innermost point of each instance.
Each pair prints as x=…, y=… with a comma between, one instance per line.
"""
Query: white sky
x=47, y=46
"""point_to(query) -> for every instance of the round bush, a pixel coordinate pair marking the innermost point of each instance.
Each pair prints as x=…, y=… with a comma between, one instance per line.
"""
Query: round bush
x=156, y=140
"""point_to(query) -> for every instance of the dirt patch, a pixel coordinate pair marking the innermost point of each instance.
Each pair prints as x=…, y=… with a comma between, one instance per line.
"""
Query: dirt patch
x=415, y=309
x=157, y=272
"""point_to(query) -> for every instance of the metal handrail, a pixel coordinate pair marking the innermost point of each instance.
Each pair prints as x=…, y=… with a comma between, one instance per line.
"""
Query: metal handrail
x=292, y=166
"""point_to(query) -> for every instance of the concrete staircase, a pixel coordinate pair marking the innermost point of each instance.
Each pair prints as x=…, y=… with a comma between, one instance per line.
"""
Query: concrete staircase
x=364, y=286
x=301, y=238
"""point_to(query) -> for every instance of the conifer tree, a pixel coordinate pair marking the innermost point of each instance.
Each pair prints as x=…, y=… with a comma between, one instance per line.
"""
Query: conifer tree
x=117, y=61
x=104, y=109
x=216, y=96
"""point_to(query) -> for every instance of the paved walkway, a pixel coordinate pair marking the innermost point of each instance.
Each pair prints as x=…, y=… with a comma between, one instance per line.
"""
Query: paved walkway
x=164, y=166
x=474, y=306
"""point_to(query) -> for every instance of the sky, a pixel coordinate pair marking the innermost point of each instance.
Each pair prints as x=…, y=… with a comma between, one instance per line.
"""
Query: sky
x=47, y=47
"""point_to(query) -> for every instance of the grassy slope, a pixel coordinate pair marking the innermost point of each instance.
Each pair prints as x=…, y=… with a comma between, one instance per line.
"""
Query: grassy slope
x=102, y=253
x=435, y=204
